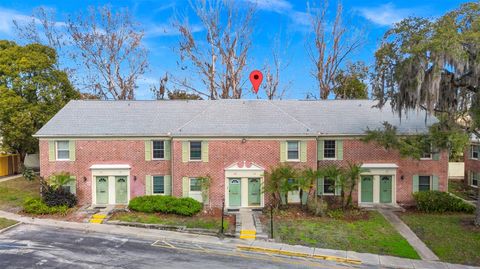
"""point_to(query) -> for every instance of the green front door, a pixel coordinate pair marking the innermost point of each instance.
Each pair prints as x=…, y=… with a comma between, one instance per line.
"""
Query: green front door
x=121, y=190
x=253, y=191
x=234, y=192
x=102, y=190
x=367, y=189
x=385, y=189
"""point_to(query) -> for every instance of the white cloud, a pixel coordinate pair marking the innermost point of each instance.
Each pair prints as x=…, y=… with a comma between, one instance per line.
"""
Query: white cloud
x=385, y=15
x=7, y=16
x=283, y=7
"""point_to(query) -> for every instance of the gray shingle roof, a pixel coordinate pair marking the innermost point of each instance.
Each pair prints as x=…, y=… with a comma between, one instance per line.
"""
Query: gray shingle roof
x=226, y=118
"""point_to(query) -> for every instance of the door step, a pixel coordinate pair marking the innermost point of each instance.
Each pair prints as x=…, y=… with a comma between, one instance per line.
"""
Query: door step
x=248, y=234
x=98, y=218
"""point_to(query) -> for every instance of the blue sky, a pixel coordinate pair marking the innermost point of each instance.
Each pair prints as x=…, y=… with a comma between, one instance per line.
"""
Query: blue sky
x=286, y=18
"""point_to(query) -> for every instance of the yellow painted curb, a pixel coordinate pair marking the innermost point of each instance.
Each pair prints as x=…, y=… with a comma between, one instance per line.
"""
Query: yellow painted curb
x=248, y=236
x=98, y=221
x=299, y=254
x=99, y=216
x=248, y=232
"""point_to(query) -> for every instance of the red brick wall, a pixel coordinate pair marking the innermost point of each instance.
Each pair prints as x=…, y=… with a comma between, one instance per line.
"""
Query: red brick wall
x=470, y=165
x=223, y=153
x=356, y=151
x=89, y=152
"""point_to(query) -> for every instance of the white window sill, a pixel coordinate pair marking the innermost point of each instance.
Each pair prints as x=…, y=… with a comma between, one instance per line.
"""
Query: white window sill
x=62, y=160
x=329, y=159
x=293, y=160
x=328, y=194
x=155, y=159
x=158, y=193
x=473, y=186
x=426, y=159
x=195, y=160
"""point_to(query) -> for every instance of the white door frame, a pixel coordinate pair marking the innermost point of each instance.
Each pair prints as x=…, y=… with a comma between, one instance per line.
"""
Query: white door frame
x=244, y=172
x=377, y=170
x=109, y=171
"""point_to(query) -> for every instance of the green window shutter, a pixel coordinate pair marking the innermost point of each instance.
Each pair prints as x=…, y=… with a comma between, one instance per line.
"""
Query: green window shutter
x=51, y=151
x=415, y=183
x=185, y=151
x=205, y=151
x=167, y=149
x=320, y=186
x=320, y=149
x=73, y=185
x=283, y=151
x=436, y=155
x=435, y=183
x=71, y=149
x=338, y=190
x=148, y=150
x=470, y=177
x=303, y=151
x=185, y=186
x=339, y=147
x=469, y=151
x=167, y=181
x=148, y=185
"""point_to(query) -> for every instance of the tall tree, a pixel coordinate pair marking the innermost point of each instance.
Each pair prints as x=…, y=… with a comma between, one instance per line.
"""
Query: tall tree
x=272, y=86
x=330, y=47
x=433, y=66
x=32, y=90
x=104, y=45
x=220, y=59
x=350, y=83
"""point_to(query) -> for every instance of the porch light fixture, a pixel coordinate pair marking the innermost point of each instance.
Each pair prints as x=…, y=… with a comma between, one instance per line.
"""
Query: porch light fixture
x=134, y=178
x=244, y=140
x=84, y=179
x=402, y=177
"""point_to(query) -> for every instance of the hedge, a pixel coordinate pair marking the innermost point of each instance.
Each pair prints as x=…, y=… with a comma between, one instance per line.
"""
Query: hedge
x=165, y=204
x=438, y=202
x=38, y=207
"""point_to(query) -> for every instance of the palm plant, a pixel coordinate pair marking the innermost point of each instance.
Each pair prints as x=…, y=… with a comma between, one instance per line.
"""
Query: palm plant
x=278, y=184
x=59, y=180
x=352, y=174
x=335, y=173
x=305, y=183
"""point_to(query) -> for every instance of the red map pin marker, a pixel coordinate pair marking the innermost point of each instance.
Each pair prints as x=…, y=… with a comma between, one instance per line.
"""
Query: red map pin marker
x=256, y=79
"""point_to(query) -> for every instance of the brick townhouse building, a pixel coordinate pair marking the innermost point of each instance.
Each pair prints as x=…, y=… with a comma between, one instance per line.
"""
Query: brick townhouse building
x=117, y=150
x=472, y=162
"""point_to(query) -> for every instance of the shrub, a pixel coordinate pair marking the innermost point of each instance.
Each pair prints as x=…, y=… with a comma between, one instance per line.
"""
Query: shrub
x=38, y=207
x=58, y=197
x=28, y=174
x=165, y=204
x=437, y=201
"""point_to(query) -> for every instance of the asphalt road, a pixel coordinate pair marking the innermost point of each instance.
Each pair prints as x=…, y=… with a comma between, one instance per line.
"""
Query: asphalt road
x=30, y=246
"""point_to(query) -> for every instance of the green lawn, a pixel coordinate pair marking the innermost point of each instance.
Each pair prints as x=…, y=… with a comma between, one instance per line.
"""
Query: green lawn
x=204, y=222
x=4, y=223
x=14, y=192
x=372, y=234
x=451, y=236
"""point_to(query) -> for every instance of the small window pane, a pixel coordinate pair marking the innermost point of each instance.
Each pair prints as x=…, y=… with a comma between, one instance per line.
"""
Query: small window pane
x=63, y=155
x=195, y=184
x=329, y=149
x=62, y=145
x=475, y=151
x=424, y=183
x=158, y=150
x=475, y=178
x=292, y=150
x=158, y=185
x=328, y=186
x=195, y=150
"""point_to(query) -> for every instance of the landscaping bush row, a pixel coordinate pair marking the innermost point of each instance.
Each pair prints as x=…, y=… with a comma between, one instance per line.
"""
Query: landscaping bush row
x=165, y=204
x=38, y=207
x=437, y=201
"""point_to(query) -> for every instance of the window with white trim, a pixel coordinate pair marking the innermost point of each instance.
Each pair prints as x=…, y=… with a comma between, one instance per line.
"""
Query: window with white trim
x=195, y=150
x=427, y=155
x=424, y=183
x=63, y=150
x=475, y=178
x=158, y=149
x=293, y=150
x=328, y=186
x=158, y=185
x=195, y=184
x=329, y=149
x=474, y=149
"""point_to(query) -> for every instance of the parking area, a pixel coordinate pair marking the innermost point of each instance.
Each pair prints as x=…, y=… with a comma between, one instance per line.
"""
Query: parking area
x=31, y=246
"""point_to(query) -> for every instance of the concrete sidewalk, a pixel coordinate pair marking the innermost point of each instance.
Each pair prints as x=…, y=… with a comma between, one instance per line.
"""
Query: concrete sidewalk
x=365, y=258
x=3, y=179
x=405, y=231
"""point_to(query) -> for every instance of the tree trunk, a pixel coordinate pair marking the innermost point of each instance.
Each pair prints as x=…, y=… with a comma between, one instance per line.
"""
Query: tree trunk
x=477, y=211
x=349, y=200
